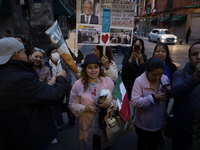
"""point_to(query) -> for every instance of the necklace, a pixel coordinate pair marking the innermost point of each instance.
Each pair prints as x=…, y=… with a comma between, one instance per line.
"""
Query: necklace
x=94, y=82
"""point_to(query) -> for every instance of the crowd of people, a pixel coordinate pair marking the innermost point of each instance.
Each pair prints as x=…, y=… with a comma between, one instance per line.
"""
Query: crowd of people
x=34, y=91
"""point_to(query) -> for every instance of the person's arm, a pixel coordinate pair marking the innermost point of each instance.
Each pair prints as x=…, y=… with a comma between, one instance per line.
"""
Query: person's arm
x=111, y=71
x=126, y=62
x=182, y=85
x=137, y=99
x=32, y=91
x=75, y=102
x=48, y=75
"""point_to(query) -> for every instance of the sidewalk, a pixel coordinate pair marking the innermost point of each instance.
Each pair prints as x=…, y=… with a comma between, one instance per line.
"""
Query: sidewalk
x=191, y=40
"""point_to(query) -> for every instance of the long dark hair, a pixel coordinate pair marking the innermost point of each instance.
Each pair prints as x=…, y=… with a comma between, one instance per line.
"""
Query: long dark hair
x=108, y=52
x=141, y=42
x=85, y=78
x=154, y=63
x=168, y=57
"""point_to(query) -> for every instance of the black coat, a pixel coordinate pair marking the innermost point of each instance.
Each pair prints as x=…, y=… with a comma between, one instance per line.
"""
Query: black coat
x=94, y=19
x=131, y=71
x=26, y=121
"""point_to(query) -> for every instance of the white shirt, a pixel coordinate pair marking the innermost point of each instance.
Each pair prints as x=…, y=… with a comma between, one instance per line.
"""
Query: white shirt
x=55, y=69
x=89, y=17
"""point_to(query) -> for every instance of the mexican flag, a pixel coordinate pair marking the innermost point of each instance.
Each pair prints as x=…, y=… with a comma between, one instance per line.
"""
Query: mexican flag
x=121, y=95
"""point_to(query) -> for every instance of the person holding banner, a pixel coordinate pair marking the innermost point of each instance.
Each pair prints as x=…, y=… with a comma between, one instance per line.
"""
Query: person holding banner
x=133, y=64
x=83, y=99
x=109, y=66
x=149, y=97
x=88, y=17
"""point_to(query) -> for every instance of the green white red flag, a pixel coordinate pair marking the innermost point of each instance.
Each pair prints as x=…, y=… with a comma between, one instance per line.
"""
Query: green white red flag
x=121, y=95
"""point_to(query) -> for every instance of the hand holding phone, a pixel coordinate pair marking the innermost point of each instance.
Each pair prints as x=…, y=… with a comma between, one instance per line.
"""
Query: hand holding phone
x=137, y=48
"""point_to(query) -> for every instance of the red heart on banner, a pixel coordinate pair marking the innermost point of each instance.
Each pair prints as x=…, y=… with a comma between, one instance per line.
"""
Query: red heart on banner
x=104, y=38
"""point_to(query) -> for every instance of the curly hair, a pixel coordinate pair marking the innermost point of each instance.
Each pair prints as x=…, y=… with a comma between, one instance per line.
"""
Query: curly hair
x=108, y=52
x=85, y=78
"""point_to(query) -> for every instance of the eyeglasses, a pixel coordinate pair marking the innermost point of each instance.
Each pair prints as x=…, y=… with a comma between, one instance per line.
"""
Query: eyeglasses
x=38, y=49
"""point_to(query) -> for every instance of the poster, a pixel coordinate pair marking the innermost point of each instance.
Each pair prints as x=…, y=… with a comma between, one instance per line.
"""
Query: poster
x=88, y=34
x=122, y=12
x=89, y=12
x=104, y=19
x=120, y=36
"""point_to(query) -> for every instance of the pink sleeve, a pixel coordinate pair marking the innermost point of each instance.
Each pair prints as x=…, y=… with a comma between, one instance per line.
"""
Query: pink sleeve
x=74, y=100
x=137, y=99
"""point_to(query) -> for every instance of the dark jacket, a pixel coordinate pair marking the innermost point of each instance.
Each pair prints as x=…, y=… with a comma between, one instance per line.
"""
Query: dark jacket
x=172, y=68
x=188, y=32
x=26, y=121
x=185, y=90
x=131, y=71
x=196, y=135
x=94, y=19
x=79, y=58
x=68, y=77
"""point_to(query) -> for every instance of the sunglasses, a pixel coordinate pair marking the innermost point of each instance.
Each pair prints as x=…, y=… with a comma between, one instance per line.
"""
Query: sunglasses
x=38, y=49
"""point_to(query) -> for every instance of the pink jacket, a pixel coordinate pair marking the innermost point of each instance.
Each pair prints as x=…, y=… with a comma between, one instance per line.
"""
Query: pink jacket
x=148, y=115
x=85, y=120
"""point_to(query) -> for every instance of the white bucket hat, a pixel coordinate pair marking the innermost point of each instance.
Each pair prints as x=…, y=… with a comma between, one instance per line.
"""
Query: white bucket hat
x=8, y=46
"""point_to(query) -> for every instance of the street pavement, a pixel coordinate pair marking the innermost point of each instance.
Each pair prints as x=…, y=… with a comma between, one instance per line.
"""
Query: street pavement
x=67, y=138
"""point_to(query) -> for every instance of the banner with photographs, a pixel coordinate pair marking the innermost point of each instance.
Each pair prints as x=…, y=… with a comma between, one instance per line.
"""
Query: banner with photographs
x=88, y=34
x=120, y=36
x=104, y=22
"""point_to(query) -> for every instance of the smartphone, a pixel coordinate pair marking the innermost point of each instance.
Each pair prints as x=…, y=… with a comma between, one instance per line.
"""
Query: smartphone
x=137, y=48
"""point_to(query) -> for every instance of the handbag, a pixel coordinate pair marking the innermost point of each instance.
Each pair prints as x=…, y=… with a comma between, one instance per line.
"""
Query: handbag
x=117, y=127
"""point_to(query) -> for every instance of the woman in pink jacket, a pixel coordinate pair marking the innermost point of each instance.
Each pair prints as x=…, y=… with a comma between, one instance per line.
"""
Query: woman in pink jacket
x=83, y=99
x=149, y=97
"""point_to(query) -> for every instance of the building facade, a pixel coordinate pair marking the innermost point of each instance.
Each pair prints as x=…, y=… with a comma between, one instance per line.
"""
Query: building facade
x=31, y=18
x=175, y=15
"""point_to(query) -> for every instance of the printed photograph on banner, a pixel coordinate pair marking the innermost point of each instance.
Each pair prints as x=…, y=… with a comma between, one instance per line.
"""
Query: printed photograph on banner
x=88, y=34
x=104, y=39
x=89, y=11
x=121, y=36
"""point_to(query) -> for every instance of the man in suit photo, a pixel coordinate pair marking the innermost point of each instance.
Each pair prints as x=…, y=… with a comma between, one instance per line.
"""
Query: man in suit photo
x=88, y=17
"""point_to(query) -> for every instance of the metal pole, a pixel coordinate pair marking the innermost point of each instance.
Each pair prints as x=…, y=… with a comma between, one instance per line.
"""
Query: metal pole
x=145, y=28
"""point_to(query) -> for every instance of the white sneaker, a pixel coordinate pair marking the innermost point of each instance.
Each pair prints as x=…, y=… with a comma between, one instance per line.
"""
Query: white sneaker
x=54, y=141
